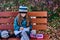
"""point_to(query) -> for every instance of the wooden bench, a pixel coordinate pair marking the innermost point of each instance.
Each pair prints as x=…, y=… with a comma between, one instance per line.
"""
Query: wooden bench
x=39, y=22
x=38, y=19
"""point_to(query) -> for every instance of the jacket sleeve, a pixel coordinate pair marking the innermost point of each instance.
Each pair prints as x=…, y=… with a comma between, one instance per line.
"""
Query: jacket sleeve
x=16, y=27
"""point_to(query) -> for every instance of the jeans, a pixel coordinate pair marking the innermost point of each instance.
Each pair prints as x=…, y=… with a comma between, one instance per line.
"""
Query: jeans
x=23, y=34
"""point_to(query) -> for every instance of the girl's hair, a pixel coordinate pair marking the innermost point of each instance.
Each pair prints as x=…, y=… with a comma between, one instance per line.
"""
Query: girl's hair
x=20, y=18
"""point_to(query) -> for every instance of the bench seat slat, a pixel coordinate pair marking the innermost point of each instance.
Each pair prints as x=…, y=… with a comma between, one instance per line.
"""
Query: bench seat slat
x=13, y=39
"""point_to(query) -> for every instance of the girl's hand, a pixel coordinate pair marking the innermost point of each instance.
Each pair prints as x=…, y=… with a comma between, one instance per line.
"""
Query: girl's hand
x=21, y=28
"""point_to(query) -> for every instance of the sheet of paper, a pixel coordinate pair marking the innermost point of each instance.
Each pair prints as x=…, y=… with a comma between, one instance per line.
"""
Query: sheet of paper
x=16, y=32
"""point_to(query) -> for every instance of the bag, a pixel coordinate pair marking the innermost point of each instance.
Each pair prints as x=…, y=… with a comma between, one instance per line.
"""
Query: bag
x=4, y=34
x=33, y=34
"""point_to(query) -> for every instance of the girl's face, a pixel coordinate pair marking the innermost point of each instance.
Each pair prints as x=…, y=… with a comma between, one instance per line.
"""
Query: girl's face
x=23, y=14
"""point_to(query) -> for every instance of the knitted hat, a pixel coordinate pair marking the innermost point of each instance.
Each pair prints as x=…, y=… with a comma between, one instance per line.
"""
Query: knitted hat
x=23, y=9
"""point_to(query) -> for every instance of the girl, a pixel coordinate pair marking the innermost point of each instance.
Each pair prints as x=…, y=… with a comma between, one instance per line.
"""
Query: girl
x=22, y=24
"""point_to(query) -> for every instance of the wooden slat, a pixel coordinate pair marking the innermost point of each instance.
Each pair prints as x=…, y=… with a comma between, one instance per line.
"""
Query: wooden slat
x=6, y=27
x=8, y=14
x=38, y=14
x=39, y=27
x=6, y=20
x=13, y=39
x=3, y=39
x=39, y=20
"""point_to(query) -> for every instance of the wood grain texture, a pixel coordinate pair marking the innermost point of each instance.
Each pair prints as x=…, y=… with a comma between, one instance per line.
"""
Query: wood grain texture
x=38, y=14
x=6, y=27
x=8, y=14
x=39, y=20
x=39, y=27
x=6, y=20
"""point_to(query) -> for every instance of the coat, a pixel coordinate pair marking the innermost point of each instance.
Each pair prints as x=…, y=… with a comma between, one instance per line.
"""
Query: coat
x=23, y=24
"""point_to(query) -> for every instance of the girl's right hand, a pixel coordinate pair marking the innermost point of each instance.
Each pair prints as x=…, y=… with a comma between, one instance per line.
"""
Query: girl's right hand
x=21, y=28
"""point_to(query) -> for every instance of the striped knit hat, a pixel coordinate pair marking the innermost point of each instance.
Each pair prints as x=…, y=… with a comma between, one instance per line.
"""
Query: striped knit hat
x=23, y=9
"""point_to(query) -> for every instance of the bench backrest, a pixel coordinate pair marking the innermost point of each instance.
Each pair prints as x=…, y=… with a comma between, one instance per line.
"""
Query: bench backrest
x=38, y=19
x=6, y=20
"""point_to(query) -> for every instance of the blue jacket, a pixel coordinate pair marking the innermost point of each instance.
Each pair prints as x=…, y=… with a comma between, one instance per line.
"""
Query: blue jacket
x=23, y=24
